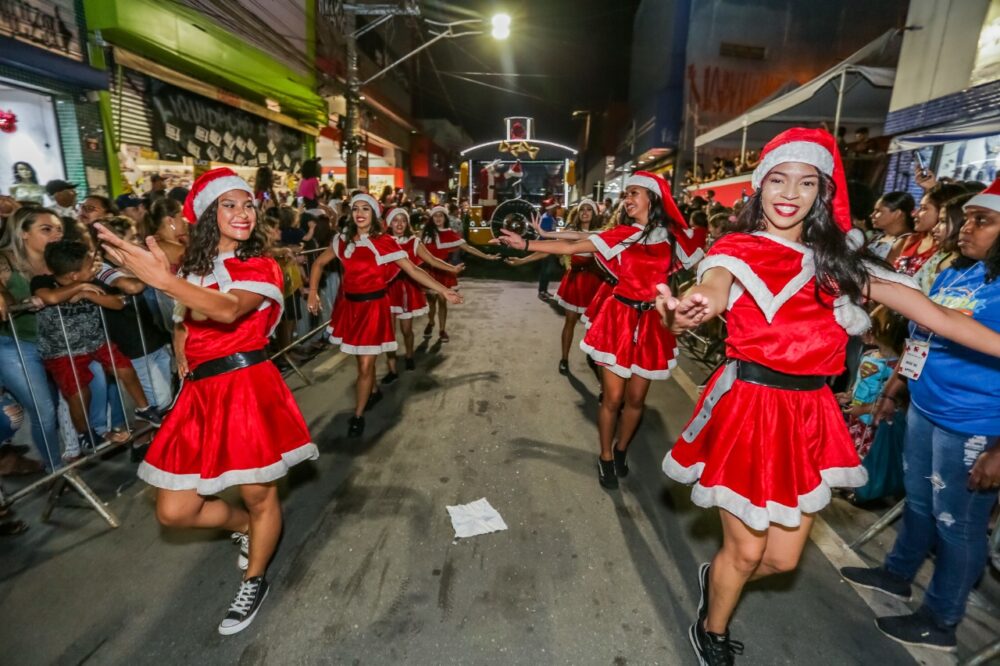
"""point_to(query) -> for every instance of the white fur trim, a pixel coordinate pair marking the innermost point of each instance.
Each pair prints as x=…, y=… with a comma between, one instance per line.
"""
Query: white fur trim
x=437, y=209
x=413, y=314
x=856, y=239
x=886, y=275
x=807, y=152
x=566, y=305
x=368, y=199
x=366, y=242
x=689, y=260
x=215, y=189
x=610, y=362
x=395, y=212
x=984, y=200
x=450, y=244
x=236, y=477
x=852, y=317
x=586, y=201
x=791, y=245
x=361, y=350
x=609, y=252
x=768, y=303
x=644, y=181
x=220, y=276
x=758, y=517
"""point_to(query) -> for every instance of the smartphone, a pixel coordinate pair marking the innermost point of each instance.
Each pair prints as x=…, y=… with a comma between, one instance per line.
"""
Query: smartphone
x=921, y=165
x=267, y=196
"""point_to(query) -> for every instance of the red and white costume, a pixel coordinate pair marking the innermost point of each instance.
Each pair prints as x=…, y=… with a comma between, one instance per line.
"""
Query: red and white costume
x=763, y=453
x=407, y=299
x=361, y=322
x=630, y=339
x=579, y=284
x=443, y=245
x=608, y=281
x=242, y=426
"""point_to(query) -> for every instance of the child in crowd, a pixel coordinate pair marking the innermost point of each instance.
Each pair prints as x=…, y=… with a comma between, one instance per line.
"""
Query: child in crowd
x=73, y=320
x=886, y=337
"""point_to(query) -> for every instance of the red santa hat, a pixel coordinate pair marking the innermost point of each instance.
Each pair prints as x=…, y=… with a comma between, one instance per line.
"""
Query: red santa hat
x=809, y=146
x=658, y=186
x=550, y=203
x=988, y=198
x=208, y=187
x=368, y=199
x=516, y=170
x=397, y=211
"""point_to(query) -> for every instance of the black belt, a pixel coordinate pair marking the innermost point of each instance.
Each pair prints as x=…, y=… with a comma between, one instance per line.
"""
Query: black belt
x=755, y=373
x=641, y=306
x=218, y=366
x=366, y=296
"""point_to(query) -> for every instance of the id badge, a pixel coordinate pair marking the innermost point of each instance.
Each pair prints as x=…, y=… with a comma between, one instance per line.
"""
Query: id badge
x=914, y=358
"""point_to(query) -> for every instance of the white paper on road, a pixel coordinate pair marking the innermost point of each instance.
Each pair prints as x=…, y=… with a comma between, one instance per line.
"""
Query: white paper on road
x=475, y=518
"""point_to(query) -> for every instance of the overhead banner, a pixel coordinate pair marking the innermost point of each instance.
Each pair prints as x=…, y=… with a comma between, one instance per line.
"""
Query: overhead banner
x=189, y=125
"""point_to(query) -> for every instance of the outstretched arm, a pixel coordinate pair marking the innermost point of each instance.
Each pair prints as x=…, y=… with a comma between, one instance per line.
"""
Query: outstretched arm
x=476, y=252
x=510, y=239
x=431, y=260
x=520, y=261
x=709, y=299
x=943, y=321
x=421, y=277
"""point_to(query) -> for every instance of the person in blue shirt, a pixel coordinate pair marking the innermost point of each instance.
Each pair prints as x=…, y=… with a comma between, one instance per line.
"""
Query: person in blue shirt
x=951, y=457
x=550, y=265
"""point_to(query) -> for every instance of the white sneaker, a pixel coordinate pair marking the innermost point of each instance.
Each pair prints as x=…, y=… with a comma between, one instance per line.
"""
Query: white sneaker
x=242, y=539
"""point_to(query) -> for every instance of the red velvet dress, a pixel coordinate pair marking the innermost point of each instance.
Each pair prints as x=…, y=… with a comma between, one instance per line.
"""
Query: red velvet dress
x=364, y=327
x=766, y=454
x=579, y=284
x=623, y=339
x=609, y=269
x=406, y=298
x=239, y=427
x=442, y=246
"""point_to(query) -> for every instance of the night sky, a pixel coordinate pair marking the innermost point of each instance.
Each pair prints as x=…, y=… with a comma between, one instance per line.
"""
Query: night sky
x=576, y=51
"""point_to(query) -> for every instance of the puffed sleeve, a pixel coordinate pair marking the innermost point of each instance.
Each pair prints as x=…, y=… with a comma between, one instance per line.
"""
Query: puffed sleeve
x=387, y=250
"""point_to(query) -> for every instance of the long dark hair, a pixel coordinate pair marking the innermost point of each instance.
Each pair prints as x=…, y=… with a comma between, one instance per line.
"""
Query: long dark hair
x=839, y=270
x=429, y=231
x=954, y=213
x=161, y=209
x=263, y=180
x=901, y=201
x=203, y=243
x=657, y=216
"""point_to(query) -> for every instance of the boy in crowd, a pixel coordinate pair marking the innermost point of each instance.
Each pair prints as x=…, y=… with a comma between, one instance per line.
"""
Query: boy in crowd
x=76, y=321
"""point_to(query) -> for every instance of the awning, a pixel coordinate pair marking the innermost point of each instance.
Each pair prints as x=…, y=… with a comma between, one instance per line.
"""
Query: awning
x=963, y=131
x=867, y=77
x=43, y=63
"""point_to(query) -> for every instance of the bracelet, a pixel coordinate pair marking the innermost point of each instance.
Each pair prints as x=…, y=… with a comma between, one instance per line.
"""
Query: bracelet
x=525, y=244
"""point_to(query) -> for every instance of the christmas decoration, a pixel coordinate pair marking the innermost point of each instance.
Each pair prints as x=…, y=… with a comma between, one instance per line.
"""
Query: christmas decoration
x=8, y=122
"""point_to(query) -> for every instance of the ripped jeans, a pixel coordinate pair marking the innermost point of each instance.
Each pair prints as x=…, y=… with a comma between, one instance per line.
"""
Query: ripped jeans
x=942, y=515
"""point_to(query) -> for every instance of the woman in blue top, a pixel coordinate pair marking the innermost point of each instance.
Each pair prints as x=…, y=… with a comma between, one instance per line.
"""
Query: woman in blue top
x=952, y=461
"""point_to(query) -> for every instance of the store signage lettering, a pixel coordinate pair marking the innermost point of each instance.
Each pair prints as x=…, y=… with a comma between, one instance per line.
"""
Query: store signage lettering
x=49, y=25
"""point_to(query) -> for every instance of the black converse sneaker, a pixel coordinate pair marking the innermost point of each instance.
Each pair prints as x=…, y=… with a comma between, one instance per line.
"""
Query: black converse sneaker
x=703, y=585
x=621, y=465
x=245, y=605
x=606, y=473
x=242, y=539
x=713, y=649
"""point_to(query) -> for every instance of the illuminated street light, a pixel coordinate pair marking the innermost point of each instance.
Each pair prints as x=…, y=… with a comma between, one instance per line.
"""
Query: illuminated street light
x=501, y=26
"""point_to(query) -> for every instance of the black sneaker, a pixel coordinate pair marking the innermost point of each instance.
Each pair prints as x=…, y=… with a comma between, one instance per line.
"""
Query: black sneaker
x=713, y=649
x=606, y=473
x=242, y=539
x=564, y=367
x=373, y=400
x=410, y=364
x=703, y=586
x=880, y=579
x=150, y=415
x=918, y=629
x=621, y=465
x=428, y=329
x=245, y=605
x=389, y=378
x=356, y=427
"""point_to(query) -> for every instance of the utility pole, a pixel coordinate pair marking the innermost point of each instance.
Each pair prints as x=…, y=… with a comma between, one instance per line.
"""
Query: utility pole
x=350, y=135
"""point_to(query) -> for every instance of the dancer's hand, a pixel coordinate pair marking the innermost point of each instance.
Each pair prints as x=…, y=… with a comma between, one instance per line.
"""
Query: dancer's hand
x=514, y=261
x=312, y=304
x=536, y=224
x=458, y=268
x=509, y=239
x=666, y=303
x=149, y=265
x=691, y=311
x=453, y=297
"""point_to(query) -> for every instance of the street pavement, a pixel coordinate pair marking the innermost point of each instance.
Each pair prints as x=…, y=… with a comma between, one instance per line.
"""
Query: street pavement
x=369, y=572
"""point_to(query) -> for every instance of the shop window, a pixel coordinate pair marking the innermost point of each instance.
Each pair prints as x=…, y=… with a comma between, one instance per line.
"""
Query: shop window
x=34, y=141
x=972, y=159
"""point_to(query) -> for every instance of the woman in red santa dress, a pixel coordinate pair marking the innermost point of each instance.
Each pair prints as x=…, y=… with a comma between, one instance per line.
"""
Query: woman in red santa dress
x=407, y=299
x=627, y=337
x=768, y=439
x=235, y=422
x=441, y=241
x=583, y=276
x=361, y=322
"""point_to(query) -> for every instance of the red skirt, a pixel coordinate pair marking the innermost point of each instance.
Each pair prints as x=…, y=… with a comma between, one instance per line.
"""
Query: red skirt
x=764, y=454
x=447, y=279
x=362, y=327
x=602, y=294
x=406, y=298
x=628, y=342
x=228, y=430
x=577, y=290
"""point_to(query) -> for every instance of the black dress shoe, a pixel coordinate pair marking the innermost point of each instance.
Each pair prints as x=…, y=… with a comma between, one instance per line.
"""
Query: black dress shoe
x=564, y=367
x=373, y=400
x=606, y=474
x=621, y=465
x=389, y=378
x=356, y=427
x=410, y=364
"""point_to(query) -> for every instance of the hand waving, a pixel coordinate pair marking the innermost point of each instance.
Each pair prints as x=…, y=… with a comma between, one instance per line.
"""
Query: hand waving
x=509, y=239
x=149, y=265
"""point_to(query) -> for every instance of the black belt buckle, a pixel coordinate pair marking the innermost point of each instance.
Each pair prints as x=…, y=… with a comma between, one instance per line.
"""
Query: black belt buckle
x=755, y=373
x=219, y=366
x=641, y=306
x=366, y=296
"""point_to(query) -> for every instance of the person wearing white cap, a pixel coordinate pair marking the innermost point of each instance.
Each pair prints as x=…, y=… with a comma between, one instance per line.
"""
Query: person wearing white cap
x=951, y=455
x=768, y=438
x=362, y=317
x=235, y=423
x=441, y=241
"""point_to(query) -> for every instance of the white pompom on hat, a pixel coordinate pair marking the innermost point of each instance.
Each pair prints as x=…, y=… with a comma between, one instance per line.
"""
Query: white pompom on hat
x=988, y=198
x=208, y=187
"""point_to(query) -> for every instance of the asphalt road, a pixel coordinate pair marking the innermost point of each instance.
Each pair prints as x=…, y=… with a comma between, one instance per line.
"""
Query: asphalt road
x=369, y=572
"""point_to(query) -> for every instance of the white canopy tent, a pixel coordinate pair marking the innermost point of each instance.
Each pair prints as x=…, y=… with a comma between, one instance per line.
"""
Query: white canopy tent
x=856, y=91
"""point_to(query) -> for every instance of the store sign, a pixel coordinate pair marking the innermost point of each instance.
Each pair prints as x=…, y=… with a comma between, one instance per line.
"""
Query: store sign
x=50, y=25
x=189, y=125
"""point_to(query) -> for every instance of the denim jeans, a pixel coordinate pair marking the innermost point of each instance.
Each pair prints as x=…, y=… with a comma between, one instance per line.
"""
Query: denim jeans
x=942, y=515
x=155, y=376
x=41, y=412
x=104, y=396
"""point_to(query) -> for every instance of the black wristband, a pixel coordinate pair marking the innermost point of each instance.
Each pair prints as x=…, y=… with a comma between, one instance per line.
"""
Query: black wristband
x=525, y=244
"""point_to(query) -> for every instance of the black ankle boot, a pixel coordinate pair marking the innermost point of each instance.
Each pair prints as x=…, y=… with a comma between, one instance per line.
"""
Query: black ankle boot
x=356, y=427
x=621, y=466
x=606, y=474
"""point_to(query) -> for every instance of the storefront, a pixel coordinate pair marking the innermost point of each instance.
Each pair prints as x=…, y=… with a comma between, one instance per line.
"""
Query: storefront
x=50, y=124
x=377, y=167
